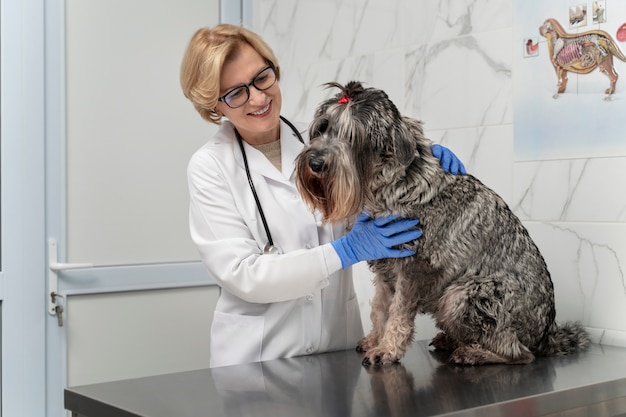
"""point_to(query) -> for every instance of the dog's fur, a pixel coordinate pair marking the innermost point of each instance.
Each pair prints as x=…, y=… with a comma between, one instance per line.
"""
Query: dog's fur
x=476, y=270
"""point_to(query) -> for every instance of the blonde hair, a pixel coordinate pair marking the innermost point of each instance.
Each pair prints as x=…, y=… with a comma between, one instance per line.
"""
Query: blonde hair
x=207, y=52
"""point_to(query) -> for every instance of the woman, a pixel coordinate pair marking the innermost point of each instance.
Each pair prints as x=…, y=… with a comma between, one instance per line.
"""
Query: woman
x=285, y=276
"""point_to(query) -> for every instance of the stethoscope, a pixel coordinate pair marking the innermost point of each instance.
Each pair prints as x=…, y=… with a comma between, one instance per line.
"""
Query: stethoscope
x=270, y=248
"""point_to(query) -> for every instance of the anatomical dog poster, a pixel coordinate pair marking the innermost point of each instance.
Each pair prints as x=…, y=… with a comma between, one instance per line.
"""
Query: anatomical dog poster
x=569, y=98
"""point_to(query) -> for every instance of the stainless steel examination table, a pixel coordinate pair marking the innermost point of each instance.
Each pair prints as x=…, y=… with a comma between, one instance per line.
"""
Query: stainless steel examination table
x=592, y=383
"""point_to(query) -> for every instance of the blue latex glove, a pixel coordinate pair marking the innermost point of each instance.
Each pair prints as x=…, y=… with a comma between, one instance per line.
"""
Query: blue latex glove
x=449, y=162
x=372, y=239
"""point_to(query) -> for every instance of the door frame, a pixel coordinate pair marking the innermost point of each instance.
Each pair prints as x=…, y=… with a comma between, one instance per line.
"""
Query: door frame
x=23, y=207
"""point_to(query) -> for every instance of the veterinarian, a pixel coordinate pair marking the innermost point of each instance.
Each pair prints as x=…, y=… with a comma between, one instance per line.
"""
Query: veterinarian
x=285, y=277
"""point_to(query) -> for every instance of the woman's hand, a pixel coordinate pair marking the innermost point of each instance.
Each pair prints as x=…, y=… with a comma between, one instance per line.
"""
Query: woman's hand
x=449, y=161
x=372, y=239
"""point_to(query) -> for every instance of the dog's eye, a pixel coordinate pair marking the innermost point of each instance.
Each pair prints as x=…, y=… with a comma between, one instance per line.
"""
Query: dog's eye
x=319, y=128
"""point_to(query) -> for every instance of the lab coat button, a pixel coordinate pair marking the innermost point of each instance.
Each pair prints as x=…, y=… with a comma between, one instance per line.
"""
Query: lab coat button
x=309, y=297
x=309, y=350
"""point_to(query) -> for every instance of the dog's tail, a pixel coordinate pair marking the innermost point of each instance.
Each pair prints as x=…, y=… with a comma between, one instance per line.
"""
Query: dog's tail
x=563, y=339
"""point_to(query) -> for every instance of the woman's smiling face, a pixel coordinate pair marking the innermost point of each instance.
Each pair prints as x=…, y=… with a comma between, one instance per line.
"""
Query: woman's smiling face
x=258, y=120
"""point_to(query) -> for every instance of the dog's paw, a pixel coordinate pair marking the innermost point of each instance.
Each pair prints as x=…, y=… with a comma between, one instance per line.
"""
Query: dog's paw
x=474, y=354
x=443, y=342
x=366, y=344
x=467, y=355
x=376, y=356
x=458, y=358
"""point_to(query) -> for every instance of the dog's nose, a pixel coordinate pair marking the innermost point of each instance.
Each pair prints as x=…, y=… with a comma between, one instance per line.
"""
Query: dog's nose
x=316, y=164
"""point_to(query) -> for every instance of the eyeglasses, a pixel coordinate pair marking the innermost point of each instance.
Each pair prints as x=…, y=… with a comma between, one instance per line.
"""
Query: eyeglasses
x=239, y=96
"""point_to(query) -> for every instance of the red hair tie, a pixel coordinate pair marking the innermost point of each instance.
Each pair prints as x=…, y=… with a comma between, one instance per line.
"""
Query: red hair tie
x=344, y=99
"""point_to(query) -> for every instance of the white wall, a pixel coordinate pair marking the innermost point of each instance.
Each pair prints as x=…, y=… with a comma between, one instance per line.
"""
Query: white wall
x=130, y=130
x=449, y=63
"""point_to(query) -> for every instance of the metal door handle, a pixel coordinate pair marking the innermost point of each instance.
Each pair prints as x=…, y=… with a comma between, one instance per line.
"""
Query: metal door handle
x=53, y=279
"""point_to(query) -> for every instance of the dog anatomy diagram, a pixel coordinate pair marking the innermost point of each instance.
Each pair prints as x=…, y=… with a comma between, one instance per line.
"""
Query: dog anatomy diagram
x=581, y=53
x=568, y=98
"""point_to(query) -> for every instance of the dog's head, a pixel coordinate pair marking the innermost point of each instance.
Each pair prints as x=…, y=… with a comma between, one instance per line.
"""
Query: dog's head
x=356, y=137
x=547, y=29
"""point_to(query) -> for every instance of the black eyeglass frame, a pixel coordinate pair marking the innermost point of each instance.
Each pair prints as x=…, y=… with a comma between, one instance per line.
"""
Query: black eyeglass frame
x=247, y=86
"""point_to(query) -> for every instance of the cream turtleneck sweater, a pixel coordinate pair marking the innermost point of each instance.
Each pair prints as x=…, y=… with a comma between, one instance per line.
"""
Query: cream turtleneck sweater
x=272, y=152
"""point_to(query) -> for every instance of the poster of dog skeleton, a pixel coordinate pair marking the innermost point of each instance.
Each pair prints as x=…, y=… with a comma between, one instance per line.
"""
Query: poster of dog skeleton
x=475, y=270
x=569, y=100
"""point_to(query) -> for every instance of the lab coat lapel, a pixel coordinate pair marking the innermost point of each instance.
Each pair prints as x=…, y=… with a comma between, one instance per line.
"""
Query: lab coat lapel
x=290, y=148
x=258, y=162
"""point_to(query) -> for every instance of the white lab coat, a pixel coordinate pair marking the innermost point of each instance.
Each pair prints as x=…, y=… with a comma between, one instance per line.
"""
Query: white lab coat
x=270, y=306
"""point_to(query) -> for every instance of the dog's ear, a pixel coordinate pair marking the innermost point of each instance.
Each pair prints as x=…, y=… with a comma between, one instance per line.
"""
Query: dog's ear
x=403, y=144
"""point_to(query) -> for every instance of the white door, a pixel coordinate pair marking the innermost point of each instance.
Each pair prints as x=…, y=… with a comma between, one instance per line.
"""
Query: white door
x=95, y=140
x=118, y=196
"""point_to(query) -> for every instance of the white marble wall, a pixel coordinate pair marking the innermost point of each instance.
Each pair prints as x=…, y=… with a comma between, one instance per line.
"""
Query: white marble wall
x=449, y=63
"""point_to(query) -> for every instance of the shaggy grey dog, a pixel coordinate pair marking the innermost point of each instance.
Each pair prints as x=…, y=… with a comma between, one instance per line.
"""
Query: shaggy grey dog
x=476, y=270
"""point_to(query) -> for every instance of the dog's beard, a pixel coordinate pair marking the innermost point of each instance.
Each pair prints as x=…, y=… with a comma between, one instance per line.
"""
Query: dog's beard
x=334, y=192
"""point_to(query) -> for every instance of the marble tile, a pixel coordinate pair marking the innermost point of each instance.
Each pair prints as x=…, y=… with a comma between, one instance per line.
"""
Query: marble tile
x=486, y=152
x=589, y=190
x=445, y=19
x=461, y=82
x=304, y=31
x=587, y=262
x=612, y=337
x=607, y=336
x=303, y=86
